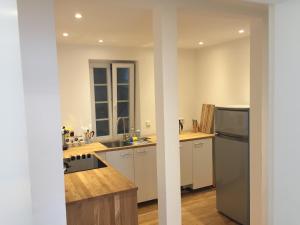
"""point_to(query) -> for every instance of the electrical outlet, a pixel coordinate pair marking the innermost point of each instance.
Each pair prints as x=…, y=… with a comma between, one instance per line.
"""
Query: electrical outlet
x=148, y=123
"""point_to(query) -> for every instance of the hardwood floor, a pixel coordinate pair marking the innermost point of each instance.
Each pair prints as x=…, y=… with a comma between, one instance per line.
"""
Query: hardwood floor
x=198, y=208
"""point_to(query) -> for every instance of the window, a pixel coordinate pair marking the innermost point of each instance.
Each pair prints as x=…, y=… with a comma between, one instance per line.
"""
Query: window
x=112, y=91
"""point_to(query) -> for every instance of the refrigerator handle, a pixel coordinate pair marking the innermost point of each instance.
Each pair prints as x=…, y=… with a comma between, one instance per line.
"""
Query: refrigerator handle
x=232, y=137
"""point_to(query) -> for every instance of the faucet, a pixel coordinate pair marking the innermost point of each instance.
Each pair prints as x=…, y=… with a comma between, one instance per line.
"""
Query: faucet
x=124, y=129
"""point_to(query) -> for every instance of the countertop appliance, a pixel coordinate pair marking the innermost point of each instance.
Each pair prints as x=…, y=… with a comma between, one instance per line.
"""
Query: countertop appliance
x=231, y=159
x=81, y=163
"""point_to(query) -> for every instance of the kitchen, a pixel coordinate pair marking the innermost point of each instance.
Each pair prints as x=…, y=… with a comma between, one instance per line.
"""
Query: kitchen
x=213, y=68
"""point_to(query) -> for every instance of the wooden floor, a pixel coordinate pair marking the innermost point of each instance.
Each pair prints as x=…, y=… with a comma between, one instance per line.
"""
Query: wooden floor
x=198, y=208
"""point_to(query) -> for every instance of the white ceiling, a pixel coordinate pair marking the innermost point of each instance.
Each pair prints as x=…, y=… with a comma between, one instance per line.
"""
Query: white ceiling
x=124, y=26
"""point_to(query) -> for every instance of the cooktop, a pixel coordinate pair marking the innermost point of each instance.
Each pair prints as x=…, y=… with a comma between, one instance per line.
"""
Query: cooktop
x=82, y=162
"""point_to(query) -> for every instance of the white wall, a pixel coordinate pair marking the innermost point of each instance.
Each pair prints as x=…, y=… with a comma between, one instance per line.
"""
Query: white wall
x=187, y=68
x=223, y=74
x=284, y=164
x=15, y=200
x=40, y=75
x=219, y=75
x=73, y=64
x=75, y=86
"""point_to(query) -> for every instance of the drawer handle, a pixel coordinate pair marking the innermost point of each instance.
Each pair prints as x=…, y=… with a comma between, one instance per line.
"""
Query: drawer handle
x=125, y=154
x=143, y=151
x=199, y=144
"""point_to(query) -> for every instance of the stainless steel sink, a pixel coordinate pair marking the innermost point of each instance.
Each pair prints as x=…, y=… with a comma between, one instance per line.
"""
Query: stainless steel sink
x=119, y=143
x=115, y=144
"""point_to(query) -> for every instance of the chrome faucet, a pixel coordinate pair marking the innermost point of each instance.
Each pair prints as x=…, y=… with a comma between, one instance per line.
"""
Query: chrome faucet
x=124, y=129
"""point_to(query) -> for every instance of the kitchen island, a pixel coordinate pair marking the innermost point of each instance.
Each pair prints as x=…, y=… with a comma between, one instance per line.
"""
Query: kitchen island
x=100, y=197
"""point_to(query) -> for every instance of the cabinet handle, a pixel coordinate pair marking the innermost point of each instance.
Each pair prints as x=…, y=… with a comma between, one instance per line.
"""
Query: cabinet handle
x=141, y=151
x=125, y=154
x=199, y=144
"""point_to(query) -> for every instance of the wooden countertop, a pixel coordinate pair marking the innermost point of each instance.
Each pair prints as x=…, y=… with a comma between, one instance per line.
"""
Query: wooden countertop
x=187, y=136
x=98, y=147
x=95, y=183
x=105, y=181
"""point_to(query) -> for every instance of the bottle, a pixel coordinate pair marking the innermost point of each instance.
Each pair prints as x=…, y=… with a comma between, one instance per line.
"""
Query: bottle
x=131, y=135
x=138, y=134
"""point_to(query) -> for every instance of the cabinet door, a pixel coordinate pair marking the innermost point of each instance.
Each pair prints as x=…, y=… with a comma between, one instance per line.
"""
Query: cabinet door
x=145, y=173
x=122, y=161
x=202, y=163
x=186, y=163
x=102, y=155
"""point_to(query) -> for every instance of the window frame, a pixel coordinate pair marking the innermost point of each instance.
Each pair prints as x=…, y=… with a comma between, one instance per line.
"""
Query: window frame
x=109, y=98
x=131, y=97
x=111, y=78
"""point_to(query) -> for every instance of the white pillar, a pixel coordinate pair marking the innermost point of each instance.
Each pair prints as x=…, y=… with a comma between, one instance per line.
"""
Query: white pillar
x=15, y=198
x=38, y=48
x=166, y=97
x=285, y=72
x=258, y=120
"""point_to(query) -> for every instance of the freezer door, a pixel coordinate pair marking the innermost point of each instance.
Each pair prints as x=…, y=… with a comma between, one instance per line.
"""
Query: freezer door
x=232, y=178
x=234, y=122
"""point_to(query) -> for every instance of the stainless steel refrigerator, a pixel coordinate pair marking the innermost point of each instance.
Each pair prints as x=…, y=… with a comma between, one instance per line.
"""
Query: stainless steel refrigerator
x=231, y=161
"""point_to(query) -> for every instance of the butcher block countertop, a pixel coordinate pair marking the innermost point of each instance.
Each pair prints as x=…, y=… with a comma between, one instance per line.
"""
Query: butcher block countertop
x=105, y=181
x=98, y=147
x=188, y=136
x=95, y=183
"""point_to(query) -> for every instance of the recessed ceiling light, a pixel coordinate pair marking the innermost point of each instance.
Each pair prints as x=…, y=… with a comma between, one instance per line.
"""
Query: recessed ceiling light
x=241, y=31
x=200, y=43
x=65, y=34
x=78, y=16
x=100, y=41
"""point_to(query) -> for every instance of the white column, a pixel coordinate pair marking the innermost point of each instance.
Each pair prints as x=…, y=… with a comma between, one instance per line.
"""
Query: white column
x=38, y=51
x=166, y=97
x=258, y=120
x=15, y=198
x=285, y=72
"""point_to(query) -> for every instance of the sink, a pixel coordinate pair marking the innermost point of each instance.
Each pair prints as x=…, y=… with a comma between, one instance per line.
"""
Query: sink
x=118, y=143
x=115, y=144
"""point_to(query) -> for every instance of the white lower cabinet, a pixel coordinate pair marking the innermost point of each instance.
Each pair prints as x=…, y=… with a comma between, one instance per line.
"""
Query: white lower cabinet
x=145, y=173
x=202, y=163
x=186, y=163
x=122, y=160
x=102, y=155
x=139, y=165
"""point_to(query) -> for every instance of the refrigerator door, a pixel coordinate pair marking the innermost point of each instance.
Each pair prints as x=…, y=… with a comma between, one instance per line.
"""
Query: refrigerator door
x=232, y=178
x=234, y=122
